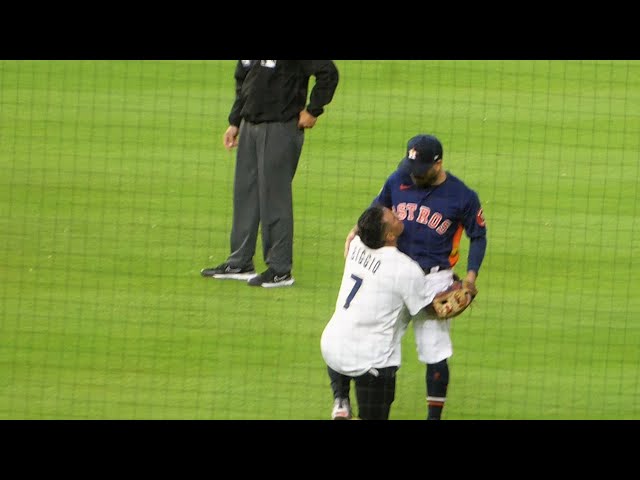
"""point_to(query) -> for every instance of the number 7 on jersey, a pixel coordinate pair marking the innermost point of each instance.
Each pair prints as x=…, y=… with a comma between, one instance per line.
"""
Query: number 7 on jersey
x=354, y=290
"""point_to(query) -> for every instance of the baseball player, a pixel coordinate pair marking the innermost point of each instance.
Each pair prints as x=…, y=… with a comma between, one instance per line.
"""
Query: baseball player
x=436, y=208
x=362, y=341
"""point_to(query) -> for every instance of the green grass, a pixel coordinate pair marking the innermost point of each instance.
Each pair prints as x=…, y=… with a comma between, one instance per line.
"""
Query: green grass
x=116, y=191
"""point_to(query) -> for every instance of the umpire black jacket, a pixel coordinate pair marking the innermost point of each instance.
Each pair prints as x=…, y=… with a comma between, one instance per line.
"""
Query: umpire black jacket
x=276, y=90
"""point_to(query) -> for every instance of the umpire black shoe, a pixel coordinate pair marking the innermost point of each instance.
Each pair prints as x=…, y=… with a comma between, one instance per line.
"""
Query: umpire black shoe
x=227, y=271
x=271, y=279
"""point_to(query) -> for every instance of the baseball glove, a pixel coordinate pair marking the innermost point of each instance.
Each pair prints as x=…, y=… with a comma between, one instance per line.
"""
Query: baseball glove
x=454, y=300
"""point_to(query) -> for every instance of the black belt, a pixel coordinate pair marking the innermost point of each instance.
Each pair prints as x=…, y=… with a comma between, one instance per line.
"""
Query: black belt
x=428, y=271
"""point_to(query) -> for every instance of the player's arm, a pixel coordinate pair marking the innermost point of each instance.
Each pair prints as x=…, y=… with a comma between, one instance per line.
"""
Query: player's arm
x=421, y=294
x=417, y=291
x=477, y=249
x=476, y=230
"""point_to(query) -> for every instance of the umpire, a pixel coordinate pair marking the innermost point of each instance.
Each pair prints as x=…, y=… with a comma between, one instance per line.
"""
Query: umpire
x=266, y=124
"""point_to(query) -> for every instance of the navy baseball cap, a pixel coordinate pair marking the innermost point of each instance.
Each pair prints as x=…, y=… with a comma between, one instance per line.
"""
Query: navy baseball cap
x=422, y=152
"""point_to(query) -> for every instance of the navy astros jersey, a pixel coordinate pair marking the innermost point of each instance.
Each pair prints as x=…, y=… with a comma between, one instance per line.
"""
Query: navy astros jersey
x=434, y=220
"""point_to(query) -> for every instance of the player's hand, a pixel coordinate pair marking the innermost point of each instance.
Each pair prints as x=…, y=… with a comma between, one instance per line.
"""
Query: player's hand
x=306, y=120
x=471, y=277
x=230, y=139
x=470, y=282
x=350, y=237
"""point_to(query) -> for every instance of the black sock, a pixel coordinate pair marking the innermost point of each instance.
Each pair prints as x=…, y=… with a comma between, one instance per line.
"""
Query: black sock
x=437, y=379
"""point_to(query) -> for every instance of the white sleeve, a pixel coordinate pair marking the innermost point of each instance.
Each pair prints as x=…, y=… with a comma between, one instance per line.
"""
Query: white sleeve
x=418, y=292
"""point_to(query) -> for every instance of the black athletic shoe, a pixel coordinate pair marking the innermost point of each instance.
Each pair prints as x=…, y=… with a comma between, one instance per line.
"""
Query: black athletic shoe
x=227, y=271
x=271, y=279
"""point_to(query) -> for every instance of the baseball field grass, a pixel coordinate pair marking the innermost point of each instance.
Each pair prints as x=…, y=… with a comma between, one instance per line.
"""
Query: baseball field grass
x=116, y=190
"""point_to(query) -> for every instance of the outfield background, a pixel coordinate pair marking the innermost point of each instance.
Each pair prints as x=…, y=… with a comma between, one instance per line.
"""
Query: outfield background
x=115, y=191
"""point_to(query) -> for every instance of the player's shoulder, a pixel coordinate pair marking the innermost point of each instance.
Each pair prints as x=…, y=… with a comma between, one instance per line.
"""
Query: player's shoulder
x=406, y=266
x=392, y=253
x=356, y=243
x=455, y=180
x=458, y=184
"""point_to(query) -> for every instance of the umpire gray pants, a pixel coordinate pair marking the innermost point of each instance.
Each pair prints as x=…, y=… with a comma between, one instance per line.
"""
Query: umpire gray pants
x=266, y=162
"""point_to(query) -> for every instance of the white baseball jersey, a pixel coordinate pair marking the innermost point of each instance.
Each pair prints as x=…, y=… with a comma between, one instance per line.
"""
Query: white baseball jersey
x=366, y=328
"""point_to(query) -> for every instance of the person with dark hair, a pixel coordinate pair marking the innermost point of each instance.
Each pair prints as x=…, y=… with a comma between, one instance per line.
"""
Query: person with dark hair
x=362, y=340
x=436, y=208
x=267, y=123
